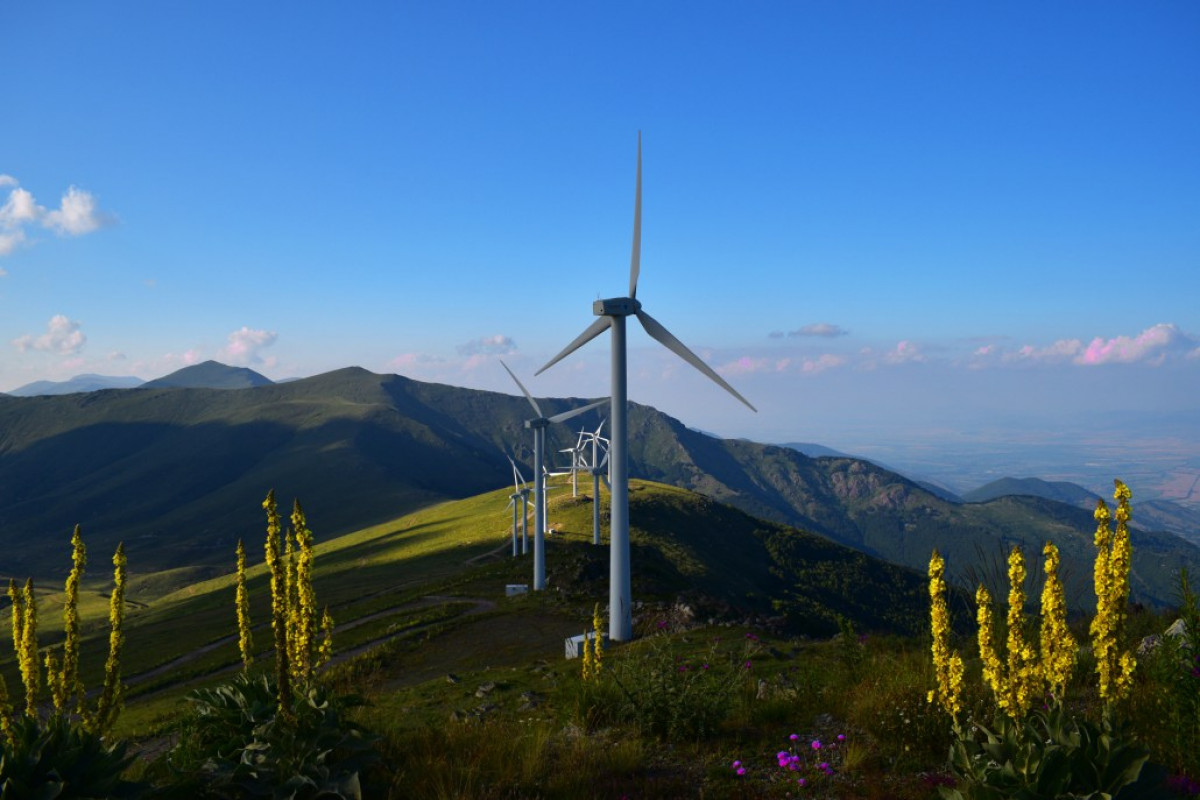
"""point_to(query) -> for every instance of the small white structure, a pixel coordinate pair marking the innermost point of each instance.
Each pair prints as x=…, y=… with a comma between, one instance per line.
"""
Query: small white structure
x=574, y=644
x=513, y=589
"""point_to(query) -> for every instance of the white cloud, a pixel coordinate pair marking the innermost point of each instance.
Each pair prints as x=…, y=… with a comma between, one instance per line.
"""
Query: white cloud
x=245, y=345
x=820, y=364
x=498, y=345
x=62, y=337
x=825, y=329
x=10, y=240
x=76, y=215
x=1151, y=346
x=19, y=209
x=905, y=352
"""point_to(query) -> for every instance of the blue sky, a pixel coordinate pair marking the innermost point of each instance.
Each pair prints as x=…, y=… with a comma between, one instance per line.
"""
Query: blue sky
x=871, y=218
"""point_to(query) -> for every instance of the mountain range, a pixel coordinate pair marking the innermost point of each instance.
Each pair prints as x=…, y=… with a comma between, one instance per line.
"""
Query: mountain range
x=179, y=472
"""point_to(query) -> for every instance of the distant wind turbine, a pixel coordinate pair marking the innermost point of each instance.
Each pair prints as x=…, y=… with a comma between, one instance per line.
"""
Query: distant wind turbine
x=520, y=492
x=612, y=314
x=538, y=425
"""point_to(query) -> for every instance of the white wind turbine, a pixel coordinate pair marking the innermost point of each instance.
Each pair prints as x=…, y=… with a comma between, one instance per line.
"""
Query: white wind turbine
x=612, y=314
x=538, y=425
x=520, y=492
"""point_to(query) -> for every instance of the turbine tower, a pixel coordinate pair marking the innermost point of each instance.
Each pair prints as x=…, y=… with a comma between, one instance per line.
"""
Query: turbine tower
x=538, y=425
x=612, y=314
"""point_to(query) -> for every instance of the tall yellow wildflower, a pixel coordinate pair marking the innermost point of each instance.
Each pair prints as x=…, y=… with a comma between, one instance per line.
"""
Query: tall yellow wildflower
x=1111, y=578
x=17, y=596
x=326, y=650
x=279, y=605
x=598, y=644
x=242, y=601
x=68, y=683
x=112, y=696
x=992, y=668
x=303, y=611
x=1058, y=647
x=1024, y=675
x=947, y=665
x=27, y=658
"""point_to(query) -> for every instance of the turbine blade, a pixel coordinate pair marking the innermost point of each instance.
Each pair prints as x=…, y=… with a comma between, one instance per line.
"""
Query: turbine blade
x=603, y=461
x=517, y=479
x=677, y=347
x=635, y=260
x=525, y=391
x=607, y=485
x=595, y=329
x=575, y=412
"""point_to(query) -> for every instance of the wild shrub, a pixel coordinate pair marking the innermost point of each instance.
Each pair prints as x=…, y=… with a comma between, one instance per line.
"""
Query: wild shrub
x=236, y=743
x=679, y=697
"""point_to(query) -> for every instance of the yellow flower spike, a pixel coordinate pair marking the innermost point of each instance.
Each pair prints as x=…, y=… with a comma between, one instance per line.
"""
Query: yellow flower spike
x=27, y=654
x=1022, y=673
x=108, y=707
x=242, y=601
x=949, y=692
x=1058, y=648
x=279, y=606
x=69, y=679
x=1111, y=578
x=987, y=647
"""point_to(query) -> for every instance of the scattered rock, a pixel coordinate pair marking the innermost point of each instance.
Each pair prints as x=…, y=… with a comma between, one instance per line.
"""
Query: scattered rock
x=485, y=689
x=452, y=678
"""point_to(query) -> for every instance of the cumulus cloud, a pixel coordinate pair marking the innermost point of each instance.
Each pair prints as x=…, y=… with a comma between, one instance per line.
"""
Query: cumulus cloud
x=815, y=366
x=62, y=337
x=903, y=353
x=1061, y=350
x=747, y=365
x=245, y=346
x=824, y=329
x=77, y=214
x=1152, y=346
x=498, y=345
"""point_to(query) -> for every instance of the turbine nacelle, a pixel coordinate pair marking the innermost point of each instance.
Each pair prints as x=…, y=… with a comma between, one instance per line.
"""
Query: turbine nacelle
x=616, y=307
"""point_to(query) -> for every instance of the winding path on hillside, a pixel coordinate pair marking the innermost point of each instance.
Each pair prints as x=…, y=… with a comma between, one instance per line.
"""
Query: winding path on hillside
x=479, y=606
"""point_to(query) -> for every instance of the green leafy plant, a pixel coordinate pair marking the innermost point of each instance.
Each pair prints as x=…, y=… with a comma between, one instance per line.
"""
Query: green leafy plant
x=1048, y=754
x=236, y=743
x=59, y=759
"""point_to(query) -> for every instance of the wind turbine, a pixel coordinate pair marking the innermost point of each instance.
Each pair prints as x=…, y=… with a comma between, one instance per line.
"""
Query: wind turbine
x=597, y=469
x=538, y=425
x=612, y=314
x=520, y=492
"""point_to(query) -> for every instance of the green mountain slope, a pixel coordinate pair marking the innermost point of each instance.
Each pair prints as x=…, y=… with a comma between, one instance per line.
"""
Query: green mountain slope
x=178, y=473
x=1062, y=491
x=210, y=375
